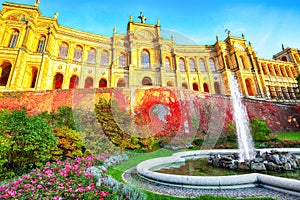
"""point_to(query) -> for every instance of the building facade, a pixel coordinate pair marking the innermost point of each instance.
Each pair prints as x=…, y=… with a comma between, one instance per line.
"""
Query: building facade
x=36, y=53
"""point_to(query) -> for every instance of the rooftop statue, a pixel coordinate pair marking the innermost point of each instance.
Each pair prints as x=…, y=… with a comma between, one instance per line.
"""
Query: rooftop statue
x=142, y=17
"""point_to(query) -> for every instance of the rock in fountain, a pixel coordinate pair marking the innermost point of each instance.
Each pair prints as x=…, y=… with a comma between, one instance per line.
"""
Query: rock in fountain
x=268, y=161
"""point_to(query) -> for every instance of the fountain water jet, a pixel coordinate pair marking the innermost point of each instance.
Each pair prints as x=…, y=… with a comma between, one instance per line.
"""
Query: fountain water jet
x=245, y=142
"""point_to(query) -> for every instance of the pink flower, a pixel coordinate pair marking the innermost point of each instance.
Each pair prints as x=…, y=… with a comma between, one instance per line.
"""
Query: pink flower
x=73, y=195
x=93, y=185
x=127, y=196
x=104, y=194
x=26, y=185
x=75, y=168
x=48, y=173
x=88, y=188
x=80, y=190
x=33, y=181
x=39, y=186
x=13, y=193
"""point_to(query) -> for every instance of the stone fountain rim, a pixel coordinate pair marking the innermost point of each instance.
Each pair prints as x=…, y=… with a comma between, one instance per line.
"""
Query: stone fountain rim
x=217, y=182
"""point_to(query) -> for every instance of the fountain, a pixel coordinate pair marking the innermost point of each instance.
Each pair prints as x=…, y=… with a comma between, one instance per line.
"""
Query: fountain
x=247, y=157
x=246, y=147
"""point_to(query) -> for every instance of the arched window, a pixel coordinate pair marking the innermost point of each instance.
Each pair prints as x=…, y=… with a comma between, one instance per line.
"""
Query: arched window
x=13, y=39
x=271, y=70
x=33, y=77
x=121, y=82
x=145, y=60
x=217, y=88
x=181, y=64
x=5, y=72
x=170, y=84
x=242, y=63
x=102, y=83
x=282, y=71
x=265, y=70
x=122, y=60
x=284, y=58
x=89, y=83
x=289, y=73
x=205, y=87
x=91, y=59
x=104, y=58
x=167, y=64
x=63, y=51
x=195, y=87
x=202, y=66
x=212, y=65
x=227, y=62
x=77, y=54
x=192, y=65
x=41, y=44
x=147, y=81
x=58, y=81
x=249, y=86
x=184, y=85
x=277, y=71
x=74, y=81
x=272, y=92
x=297, y=58
x=293, y=72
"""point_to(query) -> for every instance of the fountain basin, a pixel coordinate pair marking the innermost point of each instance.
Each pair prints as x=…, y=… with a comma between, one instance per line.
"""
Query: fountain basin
x=216, y=182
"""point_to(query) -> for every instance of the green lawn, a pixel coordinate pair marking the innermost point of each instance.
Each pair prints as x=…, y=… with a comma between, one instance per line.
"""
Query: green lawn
x=288, y=136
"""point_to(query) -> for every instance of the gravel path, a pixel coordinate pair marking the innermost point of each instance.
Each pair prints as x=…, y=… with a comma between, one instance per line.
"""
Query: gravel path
x=133, y=178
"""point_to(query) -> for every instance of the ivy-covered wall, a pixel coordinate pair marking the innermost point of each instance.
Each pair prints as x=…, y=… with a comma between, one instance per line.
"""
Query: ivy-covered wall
x=278, y=117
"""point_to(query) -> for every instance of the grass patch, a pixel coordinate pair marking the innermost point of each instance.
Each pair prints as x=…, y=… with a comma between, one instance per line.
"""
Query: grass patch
x=136, y=157
x=288, y=136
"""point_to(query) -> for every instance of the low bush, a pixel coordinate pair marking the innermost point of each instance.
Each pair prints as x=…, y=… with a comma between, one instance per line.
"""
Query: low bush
x=259, y=130
x=25, y=142
x=70, y=144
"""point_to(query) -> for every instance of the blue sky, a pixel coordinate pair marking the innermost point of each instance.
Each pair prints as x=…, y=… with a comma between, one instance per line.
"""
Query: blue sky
x=266, y=23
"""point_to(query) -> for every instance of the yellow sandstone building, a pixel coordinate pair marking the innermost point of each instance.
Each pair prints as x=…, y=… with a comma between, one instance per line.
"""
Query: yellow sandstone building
x=36, y=53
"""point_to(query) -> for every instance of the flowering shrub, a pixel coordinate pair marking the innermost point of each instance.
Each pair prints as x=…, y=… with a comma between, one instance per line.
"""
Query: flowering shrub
x=71, y=179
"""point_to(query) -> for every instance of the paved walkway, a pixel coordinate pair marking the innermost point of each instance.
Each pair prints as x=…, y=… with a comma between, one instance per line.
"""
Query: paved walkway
x=133, y=178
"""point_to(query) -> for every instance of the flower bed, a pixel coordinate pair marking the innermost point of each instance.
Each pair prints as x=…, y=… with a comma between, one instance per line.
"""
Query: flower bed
x=71, y=179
